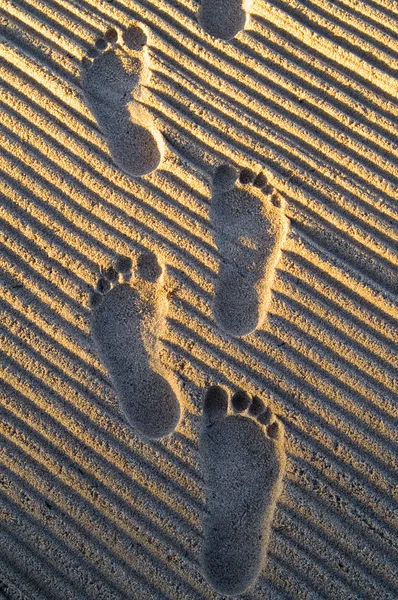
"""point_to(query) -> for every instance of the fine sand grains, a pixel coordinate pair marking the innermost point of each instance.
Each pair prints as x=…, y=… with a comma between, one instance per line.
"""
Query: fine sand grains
x=112, y=81
x=126, y=324
x=244, y=460
x=250, y=230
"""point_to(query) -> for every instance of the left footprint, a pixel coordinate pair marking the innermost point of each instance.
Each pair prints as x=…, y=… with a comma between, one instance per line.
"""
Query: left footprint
x=112, y=81
x=127, y=322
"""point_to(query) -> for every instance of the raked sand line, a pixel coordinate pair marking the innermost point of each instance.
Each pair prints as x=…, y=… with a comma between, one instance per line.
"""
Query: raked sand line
x=127, y=321
x=244, y=459
x=113, y=80
x=250, y=230
x=224, y=18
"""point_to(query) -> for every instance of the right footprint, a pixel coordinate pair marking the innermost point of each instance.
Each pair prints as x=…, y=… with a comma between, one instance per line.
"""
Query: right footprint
x=244, y=460
x=250, y=230
x=127, y=322
x=223, y=19
x=112, y=81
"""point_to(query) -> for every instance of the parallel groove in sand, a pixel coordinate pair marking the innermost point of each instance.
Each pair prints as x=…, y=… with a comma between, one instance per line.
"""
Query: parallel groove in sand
x=299, y=107
x=88, y=523
x=57, y=231
x=293, y=387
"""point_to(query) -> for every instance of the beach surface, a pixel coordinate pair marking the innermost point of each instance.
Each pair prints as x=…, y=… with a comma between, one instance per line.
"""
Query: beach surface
x=305, y=98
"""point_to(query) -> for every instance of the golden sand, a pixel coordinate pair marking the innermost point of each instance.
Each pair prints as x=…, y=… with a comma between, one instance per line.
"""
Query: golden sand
x=305, y=94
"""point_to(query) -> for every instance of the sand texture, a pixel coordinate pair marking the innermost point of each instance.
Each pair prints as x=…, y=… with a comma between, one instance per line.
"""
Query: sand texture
x=275, y=274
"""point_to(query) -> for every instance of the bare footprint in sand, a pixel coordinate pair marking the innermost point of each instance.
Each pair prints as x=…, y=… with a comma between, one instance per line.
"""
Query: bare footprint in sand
x=127, y=322
x=223, y=19
x=113, y=80
x=244, y=460
x=250, y=230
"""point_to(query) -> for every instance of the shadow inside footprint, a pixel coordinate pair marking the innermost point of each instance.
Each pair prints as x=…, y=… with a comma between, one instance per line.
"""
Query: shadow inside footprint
x=127, y=321
x=112, y=83
x=243, y=458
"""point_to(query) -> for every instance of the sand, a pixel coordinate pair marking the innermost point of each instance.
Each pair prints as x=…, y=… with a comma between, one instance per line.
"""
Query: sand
x=300, y=100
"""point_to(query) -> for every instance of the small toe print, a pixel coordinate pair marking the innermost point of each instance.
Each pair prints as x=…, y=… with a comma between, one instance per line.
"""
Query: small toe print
x=225, y=177
x=103, y=285
x=215, y=404
x=95, y=299
x=273, y=430
x=268, y=189
x=260, y=181
x=276, y=200
x=92, y=53
x=240, y=401
x=110, y=274
x=101, y=44
x=148, y=267
x=123, y=264
x=246, y=176
x=257, y=407
x=111, y=35
x=86, y=62
x=265, y=417
x=135, y=37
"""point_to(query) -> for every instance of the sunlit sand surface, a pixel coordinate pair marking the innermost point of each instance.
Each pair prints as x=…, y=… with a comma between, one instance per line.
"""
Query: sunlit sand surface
x=303, y=93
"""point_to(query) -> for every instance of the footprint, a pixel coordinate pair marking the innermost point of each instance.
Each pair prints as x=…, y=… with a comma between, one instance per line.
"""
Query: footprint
x=250, y=230
x=127, y=322
x=224, y=18
x=244, y=460
x=113, y=78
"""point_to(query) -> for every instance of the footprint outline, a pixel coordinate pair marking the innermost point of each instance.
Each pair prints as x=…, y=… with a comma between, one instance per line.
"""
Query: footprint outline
x=235, y=547
x=114, y=75
x=128, y=317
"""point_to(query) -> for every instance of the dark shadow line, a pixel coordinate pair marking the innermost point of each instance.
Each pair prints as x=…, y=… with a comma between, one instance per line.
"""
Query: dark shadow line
x=16, y=38
x=228, y=138
x=374, y=532
x=314, y=343
x=143, y=521
x=328, y=540
x=298, y=142
x=73, y=359
x=324, y=58
x=162, y=450
x=352, y=296
x=350, y=46
x=77, y=557
x=86, y=192
x=294, y=380
x=12, y=563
